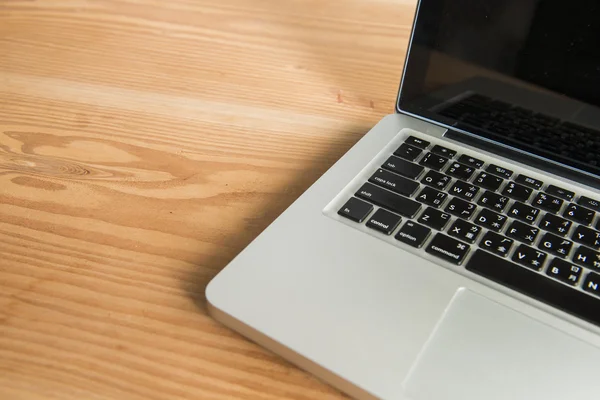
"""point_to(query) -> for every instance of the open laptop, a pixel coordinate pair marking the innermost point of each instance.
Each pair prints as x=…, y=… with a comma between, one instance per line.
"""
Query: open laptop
x=453, y=252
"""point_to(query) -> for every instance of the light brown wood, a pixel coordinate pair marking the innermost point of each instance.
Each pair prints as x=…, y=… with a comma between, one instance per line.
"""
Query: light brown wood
x=143, y=144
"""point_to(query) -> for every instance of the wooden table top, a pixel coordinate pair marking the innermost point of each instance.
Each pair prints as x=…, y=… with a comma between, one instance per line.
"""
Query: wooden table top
x=143, y=144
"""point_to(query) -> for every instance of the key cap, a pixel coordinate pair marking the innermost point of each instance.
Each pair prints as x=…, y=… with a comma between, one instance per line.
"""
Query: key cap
x=500, y=171
x=384, y=221
x=393, y=182
x=589, y=203
x=460, y=208
x=531, y=182
x=587, y=236
x=488, y=181
x=403, y=167
x=560, y=192
x=523, y=212
x=436, y=180
x=443, y=151
x=465, y=231
x=448, y=249
x=555, y=224
x=496, y=243
x=356, y=210
x=413, y=234
x=433, y=161
x=587, y=257
x=517, y=192
x=555, y=245
x=408, y=152
x=491, y=220
x=579, y=214
x=420, y=143
x=434, y=219
x=464, y=190
x=529, y=257
x=460, y=171
x=431, y=197
x=564, y=271
x=493, y=201
x=592, y=283
x=535, y=285
x=470, y=161
x=546, y=202
x=522, y=232
x=393, y=202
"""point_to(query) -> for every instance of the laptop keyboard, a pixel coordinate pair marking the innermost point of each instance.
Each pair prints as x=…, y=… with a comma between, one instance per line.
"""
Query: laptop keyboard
x=539, y=239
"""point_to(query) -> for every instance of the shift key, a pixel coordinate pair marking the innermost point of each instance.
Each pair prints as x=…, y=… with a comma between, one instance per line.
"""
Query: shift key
x=386, y=199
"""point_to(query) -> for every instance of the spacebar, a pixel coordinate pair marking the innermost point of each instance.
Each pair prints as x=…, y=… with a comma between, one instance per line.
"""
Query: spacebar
x=535, y=285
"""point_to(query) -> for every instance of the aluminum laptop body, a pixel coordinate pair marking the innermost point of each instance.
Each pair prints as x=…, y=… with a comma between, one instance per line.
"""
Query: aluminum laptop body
x=454, y=252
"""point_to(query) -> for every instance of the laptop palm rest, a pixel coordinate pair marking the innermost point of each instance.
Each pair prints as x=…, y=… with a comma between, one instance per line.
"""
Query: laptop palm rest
x=483, y=350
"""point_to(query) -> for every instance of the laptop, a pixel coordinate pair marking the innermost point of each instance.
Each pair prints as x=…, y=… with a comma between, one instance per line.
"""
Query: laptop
x=454, y=251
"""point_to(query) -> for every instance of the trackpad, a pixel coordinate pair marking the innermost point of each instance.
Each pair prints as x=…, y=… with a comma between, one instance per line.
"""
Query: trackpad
x=484, y=350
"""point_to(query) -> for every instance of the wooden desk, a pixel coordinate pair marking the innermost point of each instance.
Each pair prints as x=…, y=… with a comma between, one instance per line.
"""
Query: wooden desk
x=143, y=144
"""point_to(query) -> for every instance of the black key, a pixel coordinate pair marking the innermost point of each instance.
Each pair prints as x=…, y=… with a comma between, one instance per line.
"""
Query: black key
x=587, y=257
x=497, y=244
x=384, y=221
x=448, y=249
x=589, y=203
x=460, y=171
x=555, y=224
x=356, y=210
x=564, y=271
x=592, y=283
x=436, y=180
x=394, y=182
x=488, y=181
x=523, y=232
x=402, y=167
x=464, y=190
x=431, y=197
x=523, y=212
x=491, y=220
x=529, y=257
x=493, y=200
x=579, y=214
x=464, y=230
x=389, y=200
x=443, y=151
x=517, y=192
x=500, y=171
x=408, y=152
x=434, y=219
x=413, y=234
x=461, y=208
x=547, y=202
x=535, y=285
x=471, y=161
x=531, y=182
x=560, y=192
x=434, y=161
x=420, y=143
x=555, y=245
x=587, y=236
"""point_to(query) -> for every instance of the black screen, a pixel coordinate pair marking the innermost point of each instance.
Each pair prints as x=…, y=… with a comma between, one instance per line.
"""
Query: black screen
x=525, y=73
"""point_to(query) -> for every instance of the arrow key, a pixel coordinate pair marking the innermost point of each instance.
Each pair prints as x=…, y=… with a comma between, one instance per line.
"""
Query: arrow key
x=529, y=257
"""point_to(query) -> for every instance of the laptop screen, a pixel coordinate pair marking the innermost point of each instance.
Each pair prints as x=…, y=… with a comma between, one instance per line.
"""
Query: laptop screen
x=525, y=73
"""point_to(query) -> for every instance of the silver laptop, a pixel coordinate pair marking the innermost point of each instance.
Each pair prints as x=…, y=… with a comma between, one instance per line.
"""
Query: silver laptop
x=454, y=252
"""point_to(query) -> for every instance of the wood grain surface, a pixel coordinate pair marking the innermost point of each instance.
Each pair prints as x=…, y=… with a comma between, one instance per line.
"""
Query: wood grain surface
x=143, y=144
